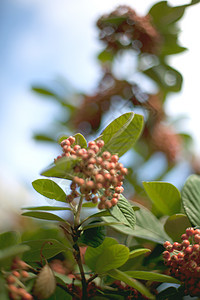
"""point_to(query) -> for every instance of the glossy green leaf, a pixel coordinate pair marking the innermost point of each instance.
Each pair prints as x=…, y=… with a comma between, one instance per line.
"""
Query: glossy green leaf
x=49, y=189
x=165, y=196
x=176, y=225
x=49, y=208
x=93, y=236
x=92, y=254
x=111, y=257
x=123, y=212
x=44, y=138
x=138, y=252
x=191, y=199
x=49, y=247
x=63, y=168
x=99, y=214
x=122, y=276
x=43, y=215
x=9, y=238
x=121, y=134
x=145, y=275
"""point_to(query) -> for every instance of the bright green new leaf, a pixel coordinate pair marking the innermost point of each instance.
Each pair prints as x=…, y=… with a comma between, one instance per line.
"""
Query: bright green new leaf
x=145, y=275
x=165, y=197
x=48, y=208
x=43, y=215
x=92, y=254
x=123, y=212
x=121, y=134
x=122, y=276
x=50, y=248
x=191, y=199
x=138, y=252
x=49, y=189
x=176, y=225
x=80, y=140
x=63, y=168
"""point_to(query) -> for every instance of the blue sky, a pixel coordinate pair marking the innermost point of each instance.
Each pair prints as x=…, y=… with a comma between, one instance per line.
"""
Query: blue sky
x=41, y=40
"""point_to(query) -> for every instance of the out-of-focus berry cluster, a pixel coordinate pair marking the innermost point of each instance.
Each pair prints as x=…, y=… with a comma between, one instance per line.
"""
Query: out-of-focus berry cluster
x=97, y=171
x=124, y=29
x=16, y=279
x=183, y=259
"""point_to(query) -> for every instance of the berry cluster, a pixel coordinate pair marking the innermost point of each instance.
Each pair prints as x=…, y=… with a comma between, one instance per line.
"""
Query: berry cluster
x=16, y=278
x=92, y=290
x=95, y=171
x=183, y=259
x=130, y=32
x=129, y=292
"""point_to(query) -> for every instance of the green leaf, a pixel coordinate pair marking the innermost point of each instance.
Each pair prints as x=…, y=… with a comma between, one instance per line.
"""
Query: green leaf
x=63, y=168
x=138, y=252
x=8, y=239
x=43, y=91
x=100, y=224
x=122, y=276
x=93, y=237
x=43, y=138
x=92, y=254
x=169, y=293
x=49, y=189
x=169, y=79
x=176, y=225
x=112, y=257
x=165, y=196
x=102, y=213
x=145, y=275
x=191, y=199
x=89, y=205
x=123, y=212
x=60, y=294
x=47, y=208
x=43, y=215
x=7, y=254
x=105, y=56
x=50, y=248
x=147, y=227
x=80, y=140
x=121, y=134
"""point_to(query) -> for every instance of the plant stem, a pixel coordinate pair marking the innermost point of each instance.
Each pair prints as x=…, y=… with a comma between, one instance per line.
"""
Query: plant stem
x=77, y=215
x=77, y=256
x=92, y=278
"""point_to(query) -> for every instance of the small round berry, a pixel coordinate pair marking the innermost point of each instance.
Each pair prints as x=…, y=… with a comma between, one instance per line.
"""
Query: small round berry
x=91, y=144
x=99, y=178
x=24, y=274
x=124, y=171
x=114, y=201
x=197, y=238
x=166, y=254
x=65, y=142
x=114, y=158
x=95, y=199
x=71, y=139
x=185, y=243
x=100, y=143
x=11, y=279
x=101, y=205
x=167, y=243
x=188, y=250
x=108, y=204
x=95, y=148
x=184, y=237
x=16, y=273
x=189, y=231
x=106, y=155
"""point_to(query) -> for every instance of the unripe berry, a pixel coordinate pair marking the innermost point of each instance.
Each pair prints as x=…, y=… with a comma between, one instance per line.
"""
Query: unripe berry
x=71, y=139
x=106, y=155
x=65, y=142
x=92, y=143
x=189, y=231
x=114, y=201
x=114, y=158
x=185, y=243
x=100, y=143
